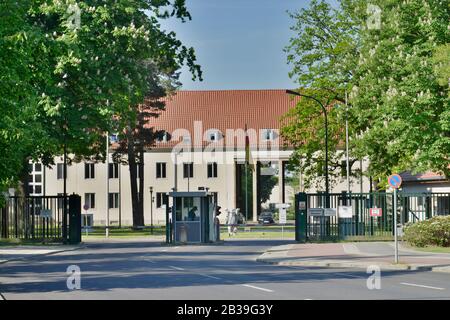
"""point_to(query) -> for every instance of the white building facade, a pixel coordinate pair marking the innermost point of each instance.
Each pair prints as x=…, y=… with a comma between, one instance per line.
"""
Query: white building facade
x=212, y=135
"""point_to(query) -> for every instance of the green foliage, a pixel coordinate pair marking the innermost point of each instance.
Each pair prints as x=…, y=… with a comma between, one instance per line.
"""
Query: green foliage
x=441, y=60
x=431, y=232
x=399, y=108
x=396, y=75
x=69, y=68
x=323, y=54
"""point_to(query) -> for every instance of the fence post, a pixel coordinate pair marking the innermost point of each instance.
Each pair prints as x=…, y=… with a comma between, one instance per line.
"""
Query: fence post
x=428, y=207
x=301, y=220
x=74, y=219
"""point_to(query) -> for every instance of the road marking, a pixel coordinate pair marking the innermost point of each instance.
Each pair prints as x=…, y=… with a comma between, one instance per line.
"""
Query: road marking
x=257, y=288
x=176, y=268
x=212, y=277
x=349, y=275
x=421, y=286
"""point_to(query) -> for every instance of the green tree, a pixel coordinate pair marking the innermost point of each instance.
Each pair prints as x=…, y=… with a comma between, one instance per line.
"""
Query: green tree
x=390, y=56
x=24, y=70
x=400, y=108
x=323, y=54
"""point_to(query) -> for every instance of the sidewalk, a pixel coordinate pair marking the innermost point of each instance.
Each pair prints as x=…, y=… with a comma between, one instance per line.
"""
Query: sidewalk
x=355, y=255
x=15, y=253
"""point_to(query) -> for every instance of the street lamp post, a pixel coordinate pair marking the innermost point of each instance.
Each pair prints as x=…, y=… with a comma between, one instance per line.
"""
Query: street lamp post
x=327, y=184
x=151, y=208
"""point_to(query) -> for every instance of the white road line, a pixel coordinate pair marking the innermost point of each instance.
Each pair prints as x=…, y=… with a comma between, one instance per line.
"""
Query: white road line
x=349, y=275
x=176, y=268
x=421, y=286
x=257, y=288
x=212, y=277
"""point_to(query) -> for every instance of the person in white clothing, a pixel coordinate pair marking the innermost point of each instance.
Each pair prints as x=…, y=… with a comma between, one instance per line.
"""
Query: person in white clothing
x=232, y=222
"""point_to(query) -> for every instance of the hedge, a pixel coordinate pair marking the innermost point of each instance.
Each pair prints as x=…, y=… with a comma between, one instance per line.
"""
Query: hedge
x=431, y=232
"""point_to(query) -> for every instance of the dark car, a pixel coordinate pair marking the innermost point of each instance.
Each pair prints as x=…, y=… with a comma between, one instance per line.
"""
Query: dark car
x=266, y=218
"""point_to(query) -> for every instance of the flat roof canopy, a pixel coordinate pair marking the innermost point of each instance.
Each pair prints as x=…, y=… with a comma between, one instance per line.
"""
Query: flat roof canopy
x=188, y=194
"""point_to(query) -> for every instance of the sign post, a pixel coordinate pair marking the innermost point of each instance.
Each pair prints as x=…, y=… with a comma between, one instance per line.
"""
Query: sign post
x=395, y=181
x=282, y=216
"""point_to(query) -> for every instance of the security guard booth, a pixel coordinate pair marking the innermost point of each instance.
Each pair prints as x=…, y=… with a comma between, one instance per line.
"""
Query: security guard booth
x=191, y=218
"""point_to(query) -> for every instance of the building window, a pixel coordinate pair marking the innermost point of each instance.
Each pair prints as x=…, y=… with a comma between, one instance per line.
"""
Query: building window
x=268, y=134
x=212, y=170
x=113, y=200
x=213, y=135
x=160, y=170
x=113, y=171
x=89, y=200
x=161, y=199
x=60, y=171
x=89, y=171
x=344, y=168
x=188, y=170
x=164, y=137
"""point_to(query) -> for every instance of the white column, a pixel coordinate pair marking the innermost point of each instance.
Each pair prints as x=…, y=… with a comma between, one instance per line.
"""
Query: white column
x=280, y=181
x=255, y=193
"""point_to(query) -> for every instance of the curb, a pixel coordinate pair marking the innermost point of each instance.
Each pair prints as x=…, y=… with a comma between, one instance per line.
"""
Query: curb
x=33, y=256
x=302, y=263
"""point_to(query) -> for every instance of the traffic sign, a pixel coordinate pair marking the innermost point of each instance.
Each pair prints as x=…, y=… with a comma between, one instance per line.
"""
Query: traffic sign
x=315, y=211
x=345, y=212
x=86, y=207
x=375, y=212
x=395, y=181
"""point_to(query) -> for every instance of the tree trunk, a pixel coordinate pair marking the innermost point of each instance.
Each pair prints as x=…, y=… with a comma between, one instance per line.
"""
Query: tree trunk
x=138, y=217
x=141, y=186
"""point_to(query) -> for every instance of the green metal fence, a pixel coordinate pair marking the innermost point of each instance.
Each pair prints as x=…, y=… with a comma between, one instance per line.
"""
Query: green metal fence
x=42, y=218
x=411, y=207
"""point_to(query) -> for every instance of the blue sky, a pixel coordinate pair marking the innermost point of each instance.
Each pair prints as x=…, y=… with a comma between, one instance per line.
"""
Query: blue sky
x=239, y=43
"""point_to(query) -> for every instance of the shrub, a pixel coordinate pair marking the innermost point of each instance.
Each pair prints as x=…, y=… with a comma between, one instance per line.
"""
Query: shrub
x=434, y=232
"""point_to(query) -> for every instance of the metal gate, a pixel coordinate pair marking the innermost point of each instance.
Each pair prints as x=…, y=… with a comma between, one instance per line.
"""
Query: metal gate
x=411, y=207
x=46, y=218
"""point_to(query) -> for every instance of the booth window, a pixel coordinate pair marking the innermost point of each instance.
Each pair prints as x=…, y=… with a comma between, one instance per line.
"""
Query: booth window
x=161, y=199
x=188, y=209
x=188, y=170
x=160, y=170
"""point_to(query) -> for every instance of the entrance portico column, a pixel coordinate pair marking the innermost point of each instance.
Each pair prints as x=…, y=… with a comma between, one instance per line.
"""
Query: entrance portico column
x=255, y=190
x=281, y=194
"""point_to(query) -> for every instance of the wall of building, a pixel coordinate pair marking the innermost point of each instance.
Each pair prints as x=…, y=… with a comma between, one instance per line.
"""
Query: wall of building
x=224, y=184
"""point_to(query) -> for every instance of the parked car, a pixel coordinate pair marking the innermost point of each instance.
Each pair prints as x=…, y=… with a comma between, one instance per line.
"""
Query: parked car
x=266, y=217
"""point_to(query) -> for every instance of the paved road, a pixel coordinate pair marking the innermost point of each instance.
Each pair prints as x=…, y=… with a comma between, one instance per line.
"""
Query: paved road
x=127, y=270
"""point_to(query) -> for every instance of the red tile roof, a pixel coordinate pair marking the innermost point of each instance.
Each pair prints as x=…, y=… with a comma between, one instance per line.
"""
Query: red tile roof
x=222, y=110
x=422, y=177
